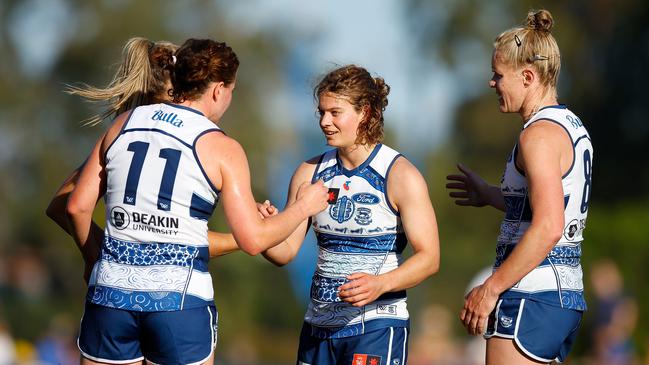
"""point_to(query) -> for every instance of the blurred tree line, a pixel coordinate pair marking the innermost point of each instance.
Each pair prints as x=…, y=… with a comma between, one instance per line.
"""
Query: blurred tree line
x=605, y=50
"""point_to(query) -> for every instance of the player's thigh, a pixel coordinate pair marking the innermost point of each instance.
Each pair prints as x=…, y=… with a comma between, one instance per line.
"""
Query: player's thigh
x=186, y=336
x=504, y=351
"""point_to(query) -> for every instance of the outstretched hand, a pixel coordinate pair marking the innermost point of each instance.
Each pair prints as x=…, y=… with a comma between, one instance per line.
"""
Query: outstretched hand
x=470, y=185
x=361, y=289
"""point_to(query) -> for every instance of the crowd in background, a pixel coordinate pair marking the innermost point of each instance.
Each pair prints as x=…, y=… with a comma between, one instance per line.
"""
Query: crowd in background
x=436, y=337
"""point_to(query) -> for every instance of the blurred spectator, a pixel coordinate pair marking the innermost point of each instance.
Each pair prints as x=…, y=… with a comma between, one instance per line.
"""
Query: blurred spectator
x=29, y=274
x=241, y=351
x=7, y=352
x=58, y=345
x=432, y=341
x=615, y=316
x=476, y=346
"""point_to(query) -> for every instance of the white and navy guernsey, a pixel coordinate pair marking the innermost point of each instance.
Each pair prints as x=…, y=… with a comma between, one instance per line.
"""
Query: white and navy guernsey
x=558, y=279
x=359, y=232
x=158, y=200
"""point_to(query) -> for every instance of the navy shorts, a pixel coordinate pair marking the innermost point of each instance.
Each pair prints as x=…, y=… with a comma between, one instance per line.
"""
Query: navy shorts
x=384, y=346
x=541, y=331
x=117, y=336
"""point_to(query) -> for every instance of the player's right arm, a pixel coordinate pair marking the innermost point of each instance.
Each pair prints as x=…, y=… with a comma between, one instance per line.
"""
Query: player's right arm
x=56, y=209
x=474, y=190
x=90, y=187
x=226, y=165
x=285, y=252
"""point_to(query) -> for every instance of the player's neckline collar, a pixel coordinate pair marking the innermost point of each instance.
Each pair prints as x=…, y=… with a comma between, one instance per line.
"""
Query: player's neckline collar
x=352, y=172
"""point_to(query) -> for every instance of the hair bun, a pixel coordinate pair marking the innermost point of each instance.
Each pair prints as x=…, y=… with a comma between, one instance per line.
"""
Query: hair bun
x=540, y=20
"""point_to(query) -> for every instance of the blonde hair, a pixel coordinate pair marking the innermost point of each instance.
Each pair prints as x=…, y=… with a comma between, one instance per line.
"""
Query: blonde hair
x=143, y=76
x=532, y=44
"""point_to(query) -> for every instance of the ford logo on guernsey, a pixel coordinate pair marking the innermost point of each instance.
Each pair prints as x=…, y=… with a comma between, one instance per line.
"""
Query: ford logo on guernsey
x=365, y=198
x=171, y=118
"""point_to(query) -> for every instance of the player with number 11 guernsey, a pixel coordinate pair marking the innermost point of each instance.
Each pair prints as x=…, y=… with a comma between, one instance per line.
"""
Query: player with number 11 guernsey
x=163, y=169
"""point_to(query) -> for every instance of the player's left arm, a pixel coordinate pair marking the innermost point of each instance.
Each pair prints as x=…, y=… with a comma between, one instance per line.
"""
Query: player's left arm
x=542, y=147
x=408, y=193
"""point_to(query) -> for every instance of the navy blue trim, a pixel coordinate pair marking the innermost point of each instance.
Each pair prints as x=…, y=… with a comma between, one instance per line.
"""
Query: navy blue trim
x=569, y=136
x=185, y=108
x=198, y=162
x=352, y=172
x=518, y=169
x=201, y=208
x=558, y=106
x=354, y=329
x=580, y=138
x=368, y=245
x=387, y=198
x=158, y=131
x=317, y=167
x=400, y=294
x=121, y=131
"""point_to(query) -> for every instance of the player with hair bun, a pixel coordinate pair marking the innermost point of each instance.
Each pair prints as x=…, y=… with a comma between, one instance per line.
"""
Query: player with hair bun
x=531, y=306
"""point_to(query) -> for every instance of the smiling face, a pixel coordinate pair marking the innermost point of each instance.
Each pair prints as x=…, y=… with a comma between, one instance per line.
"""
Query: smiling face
x=509, y=85
x=339, y=120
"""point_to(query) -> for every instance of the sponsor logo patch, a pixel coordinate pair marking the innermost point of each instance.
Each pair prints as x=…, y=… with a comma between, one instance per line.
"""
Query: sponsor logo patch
x=365, y=359
x=171, y=118
x=365, y=198
x=386, y=309
x=119, y=218
x=333, y=195
x=573, y=229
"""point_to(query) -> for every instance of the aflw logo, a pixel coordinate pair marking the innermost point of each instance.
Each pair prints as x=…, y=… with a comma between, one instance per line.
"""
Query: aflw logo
x=171, y=118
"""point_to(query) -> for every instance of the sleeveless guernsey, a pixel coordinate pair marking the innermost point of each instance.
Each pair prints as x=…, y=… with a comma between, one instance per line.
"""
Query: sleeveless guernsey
x=558, y=279
x=158, y=200
x=359, y=232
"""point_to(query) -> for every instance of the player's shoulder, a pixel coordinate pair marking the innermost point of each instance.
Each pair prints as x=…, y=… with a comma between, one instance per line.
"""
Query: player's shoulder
x=216, y=139
x=306, y=169
x=543, y=131
x=403, y=167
